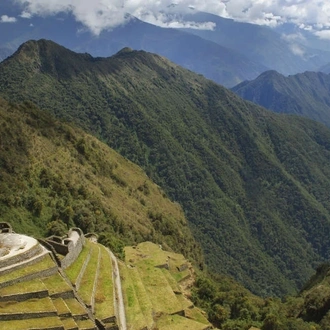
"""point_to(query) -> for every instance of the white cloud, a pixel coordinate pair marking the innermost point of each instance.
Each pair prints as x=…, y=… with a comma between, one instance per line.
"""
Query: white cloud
x=26, y=14
x=297, y=50
x=104, y=14
x=324, y=34
x=7, y=19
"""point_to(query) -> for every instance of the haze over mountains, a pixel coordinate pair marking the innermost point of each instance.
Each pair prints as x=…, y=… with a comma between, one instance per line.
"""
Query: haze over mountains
x=305, y=94
x=246, y=178
x=229, y=54
x=262, y=44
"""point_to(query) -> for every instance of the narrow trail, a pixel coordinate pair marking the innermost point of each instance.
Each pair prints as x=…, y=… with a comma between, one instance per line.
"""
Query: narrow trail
x=119, y=301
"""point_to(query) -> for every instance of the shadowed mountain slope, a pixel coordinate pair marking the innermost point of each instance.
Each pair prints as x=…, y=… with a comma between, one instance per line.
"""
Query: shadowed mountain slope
x=306, y=94
x=253, y=184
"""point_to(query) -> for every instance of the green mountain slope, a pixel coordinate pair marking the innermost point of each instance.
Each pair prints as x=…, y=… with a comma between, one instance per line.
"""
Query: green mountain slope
x=54, y=176
x=306, y=94
x=253, y=184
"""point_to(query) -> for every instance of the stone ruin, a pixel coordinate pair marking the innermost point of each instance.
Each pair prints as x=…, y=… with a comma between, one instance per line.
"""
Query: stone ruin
x=68, y=246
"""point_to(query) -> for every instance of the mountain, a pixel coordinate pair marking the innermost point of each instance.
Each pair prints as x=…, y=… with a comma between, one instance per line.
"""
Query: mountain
x=325, y=68
x=252, y=183
x=306, y=94
x=38, y=190
x=216, y=62
x=261, y=44
x=54, y=176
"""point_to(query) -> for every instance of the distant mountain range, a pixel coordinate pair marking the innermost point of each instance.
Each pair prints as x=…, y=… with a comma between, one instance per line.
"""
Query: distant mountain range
x=233, y=52
x=306, y=94
x=253, y=184
x=216, y=62
x=325, y=68
x=262, y=44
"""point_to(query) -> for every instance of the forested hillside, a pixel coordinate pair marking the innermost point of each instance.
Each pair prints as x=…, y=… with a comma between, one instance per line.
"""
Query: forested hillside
x=253, y=184
x=305, y=94
x=54, y=176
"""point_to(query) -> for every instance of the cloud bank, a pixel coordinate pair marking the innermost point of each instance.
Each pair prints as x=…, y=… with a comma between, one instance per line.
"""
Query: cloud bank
x=7, y=19
x=98, y=15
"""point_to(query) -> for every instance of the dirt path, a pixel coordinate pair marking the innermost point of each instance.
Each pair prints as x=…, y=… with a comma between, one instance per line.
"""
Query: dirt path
x=119, y=301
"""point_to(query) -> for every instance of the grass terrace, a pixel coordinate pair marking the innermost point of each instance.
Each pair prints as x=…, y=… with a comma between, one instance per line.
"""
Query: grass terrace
x=75, y=307
x=104, y=299
x=56, y=284
x=74, y=269
x=38, y=323
x=28, y=306
x=69, y=323
x=176, y=322
x=87, y=281
x=61, y=307
x=46, y=263
x=152, y=292
x=35, y=285
x=85, y=324
x=135, y=318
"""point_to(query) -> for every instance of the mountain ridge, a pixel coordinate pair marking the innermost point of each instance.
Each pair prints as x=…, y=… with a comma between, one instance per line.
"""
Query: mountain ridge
x=305, y=94
x=245, y=177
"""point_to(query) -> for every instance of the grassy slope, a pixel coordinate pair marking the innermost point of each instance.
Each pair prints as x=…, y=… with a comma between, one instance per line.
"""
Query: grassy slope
x=54, y=174
x=253, y=184
x=305, y=94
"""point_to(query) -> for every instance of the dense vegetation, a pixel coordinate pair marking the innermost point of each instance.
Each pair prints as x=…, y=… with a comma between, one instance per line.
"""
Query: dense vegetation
x=54, y=176
x=253, y=184
x=305, y=94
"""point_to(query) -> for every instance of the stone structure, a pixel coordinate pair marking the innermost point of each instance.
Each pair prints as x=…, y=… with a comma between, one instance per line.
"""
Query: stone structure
x=5, y=227
x=68, y=246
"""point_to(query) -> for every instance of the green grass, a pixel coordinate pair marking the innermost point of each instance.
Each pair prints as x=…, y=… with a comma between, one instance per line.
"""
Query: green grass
x=42, y=323
x=104, y=300
x=85, y=324
x=56, y=284
x=197, y=315
x=61, y=306
x=46, y=263
x=176, y=322
x=23, y=287
x=87, y=281
x=157, y=288
x=75, y=307
x=69, y=323
x=134, y=316
x=28, y=306
x=74, y=269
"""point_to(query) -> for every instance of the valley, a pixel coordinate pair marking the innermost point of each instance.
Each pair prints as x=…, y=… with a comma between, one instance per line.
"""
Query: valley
x=154, y=196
